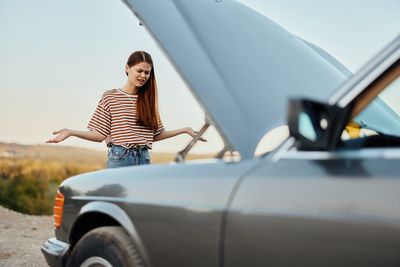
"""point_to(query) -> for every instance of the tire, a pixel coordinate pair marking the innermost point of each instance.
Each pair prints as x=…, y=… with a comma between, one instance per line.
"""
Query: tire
x=105, y=246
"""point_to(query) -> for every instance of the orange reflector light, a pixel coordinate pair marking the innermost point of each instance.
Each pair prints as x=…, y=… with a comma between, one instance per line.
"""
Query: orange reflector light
x=58, y=209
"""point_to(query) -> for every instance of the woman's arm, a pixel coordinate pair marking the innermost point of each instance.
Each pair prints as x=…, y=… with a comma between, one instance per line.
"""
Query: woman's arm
x=87, y=135
x=168, y=134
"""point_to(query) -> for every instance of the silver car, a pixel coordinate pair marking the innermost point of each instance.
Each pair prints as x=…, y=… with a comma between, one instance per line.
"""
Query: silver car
x=329, y=195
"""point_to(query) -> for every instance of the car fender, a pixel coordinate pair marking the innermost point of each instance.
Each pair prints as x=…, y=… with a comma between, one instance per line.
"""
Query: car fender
x=121, y=217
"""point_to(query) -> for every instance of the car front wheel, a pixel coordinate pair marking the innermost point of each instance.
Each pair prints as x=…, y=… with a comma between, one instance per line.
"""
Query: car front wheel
x=105, y=246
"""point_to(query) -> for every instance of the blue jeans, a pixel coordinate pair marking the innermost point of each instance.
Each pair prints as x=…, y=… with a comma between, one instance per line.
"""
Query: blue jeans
x=119, y=156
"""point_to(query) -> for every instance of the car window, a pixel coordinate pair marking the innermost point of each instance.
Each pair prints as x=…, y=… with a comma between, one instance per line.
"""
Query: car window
x=391, y=96
x=378, y=124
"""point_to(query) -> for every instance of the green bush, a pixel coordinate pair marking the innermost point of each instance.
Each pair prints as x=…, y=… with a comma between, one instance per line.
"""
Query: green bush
x=29, y=185
x=27, y=195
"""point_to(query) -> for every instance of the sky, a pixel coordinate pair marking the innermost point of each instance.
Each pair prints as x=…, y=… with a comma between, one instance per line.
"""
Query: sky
x=58, y=57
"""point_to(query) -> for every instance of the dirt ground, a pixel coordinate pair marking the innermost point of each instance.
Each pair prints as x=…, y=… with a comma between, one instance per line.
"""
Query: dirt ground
x=21, y=237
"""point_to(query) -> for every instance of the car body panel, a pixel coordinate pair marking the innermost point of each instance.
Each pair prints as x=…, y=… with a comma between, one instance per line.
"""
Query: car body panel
x=332, y=212
x=226, y=59
x=176, y=210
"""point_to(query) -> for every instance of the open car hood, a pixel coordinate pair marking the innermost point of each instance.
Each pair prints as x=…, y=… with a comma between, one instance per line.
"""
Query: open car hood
x=241, y=66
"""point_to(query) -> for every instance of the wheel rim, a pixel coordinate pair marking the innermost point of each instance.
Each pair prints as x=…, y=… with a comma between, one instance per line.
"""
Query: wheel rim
x=96, y=262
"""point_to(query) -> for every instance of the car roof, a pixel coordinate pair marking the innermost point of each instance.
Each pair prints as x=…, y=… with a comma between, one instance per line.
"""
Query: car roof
x=241, y=66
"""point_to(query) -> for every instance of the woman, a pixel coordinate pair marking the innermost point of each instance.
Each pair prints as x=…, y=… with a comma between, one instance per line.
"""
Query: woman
x=127, y=117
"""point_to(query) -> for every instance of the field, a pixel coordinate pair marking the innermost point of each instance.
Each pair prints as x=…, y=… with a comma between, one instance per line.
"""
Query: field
x=30, y=175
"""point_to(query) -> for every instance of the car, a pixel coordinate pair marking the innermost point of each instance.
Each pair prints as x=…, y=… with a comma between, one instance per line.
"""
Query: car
x=328, y=195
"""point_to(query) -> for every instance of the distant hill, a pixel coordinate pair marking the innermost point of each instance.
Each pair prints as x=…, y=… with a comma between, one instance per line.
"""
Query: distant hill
x=69, y=154
x=64, y=154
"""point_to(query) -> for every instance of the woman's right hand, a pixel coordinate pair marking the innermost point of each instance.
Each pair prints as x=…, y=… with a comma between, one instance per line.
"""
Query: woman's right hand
x=61, y=136
x=194, y=133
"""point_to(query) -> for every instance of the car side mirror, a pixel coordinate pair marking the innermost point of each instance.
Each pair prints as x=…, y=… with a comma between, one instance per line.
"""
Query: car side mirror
x=315, y=125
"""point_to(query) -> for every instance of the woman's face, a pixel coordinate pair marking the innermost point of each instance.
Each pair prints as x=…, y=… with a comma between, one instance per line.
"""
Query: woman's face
x=138, y=74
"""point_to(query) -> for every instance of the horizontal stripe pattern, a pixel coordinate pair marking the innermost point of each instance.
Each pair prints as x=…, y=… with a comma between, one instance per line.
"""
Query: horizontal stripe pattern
x=116, y=118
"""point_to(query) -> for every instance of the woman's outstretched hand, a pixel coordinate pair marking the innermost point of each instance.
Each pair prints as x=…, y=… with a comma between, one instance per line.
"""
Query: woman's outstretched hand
x=61, y=136
x=193, y=134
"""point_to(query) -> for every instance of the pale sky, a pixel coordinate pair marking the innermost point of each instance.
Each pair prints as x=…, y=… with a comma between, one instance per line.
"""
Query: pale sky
x=58, y=57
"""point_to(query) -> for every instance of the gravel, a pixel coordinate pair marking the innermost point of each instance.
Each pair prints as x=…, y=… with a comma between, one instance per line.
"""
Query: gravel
x=21, y=237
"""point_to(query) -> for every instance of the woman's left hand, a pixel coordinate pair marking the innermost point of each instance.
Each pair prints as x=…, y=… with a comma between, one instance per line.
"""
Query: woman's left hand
x=193, y=134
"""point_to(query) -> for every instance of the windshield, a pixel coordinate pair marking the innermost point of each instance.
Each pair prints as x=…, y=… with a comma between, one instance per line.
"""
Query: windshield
x=383, y=114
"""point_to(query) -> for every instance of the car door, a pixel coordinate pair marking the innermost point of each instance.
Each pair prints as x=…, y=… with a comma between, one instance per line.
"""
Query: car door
x=327, y=208
x=342, y=210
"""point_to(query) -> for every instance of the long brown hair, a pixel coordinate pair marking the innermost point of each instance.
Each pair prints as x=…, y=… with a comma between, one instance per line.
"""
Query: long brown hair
x=147, y=104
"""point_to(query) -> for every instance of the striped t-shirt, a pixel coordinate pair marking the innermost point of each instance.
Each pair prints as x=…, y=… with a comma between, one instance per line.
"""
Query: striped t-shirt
x=116, y=119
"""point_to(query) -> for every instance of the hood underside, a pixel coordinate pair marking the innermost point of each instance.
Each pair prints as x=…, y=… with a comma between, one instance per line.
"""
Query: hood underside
x=241, y=66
